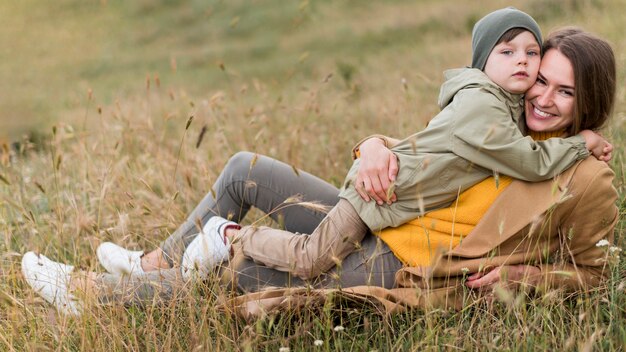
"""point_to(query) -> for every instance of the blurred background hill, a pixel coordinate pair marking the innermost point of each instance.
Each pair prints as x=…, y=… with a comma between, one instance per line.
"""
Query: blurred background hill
x=57, y=58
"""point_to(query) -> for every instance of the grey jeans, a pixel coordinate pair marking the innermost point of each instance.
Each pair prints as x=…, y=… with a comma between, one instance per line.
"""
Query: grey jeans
x=253, y=180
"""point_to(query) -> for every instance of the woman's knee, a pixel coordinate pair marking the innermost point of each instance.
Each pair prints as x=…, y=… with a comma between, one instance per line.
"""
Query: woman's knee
x=239, y=164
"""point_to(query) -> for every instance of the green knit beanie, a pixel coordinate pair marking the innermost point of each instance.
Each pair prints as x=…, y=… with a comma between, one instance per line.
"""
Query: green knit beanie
x=488, y=30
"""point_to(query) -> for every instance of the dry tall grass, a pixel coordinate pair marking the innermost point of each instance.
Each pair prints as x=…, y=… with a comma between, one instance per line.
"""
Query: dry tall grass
x=130, y=170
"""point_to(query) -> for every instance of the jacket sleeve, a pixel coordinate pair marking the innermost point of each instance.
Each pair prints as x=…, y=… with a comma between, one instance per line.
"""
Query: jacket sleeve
x=592, y=219
x=485, y=133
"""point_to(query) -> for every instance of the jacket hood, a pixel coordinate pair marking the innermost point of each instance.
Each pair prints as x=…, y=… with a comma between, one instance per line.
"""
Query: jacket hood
x=463, y=78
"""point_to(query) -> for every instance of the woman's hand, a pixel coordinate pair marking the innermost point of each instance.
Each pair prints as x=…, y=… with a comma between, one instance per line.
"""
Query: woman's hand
x=377, y=172
x=510, y=275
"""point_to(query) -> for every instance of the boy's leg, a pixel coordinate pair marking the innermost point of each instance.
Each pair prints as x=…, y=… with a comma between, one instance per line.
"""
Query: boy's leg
x=250, y=180
x=306, y=256
x=373, y=264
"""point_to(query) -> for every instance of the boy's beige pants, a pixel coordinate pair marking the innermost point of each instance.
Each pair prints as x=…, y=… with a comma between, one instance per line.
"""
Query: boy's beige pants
x=306, y=255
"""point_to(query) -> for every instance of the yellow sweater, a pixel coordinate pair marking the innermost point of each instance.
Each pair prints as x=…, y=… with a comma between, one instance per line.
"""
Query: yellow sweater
x=415, y=242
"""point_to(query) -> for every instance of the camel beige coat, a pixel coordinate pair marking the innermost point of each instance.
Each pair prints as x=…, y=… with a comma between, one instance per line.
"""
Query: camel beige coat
x=554, y=225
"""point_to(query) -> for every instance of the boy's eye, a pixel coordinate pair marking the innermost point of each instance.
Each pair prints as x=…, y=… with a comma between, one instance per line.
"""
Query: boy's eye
x=532, y=53
x=507, y=52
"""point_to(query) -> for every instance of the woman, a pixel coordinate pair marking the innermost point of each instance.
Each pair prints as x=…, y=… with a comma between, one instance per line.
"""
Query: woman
x=522, y=229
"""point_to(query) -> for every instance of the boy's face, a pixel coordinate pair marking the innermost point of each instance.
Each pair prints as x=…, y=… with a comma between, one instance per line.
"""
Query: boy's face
x=514, y=65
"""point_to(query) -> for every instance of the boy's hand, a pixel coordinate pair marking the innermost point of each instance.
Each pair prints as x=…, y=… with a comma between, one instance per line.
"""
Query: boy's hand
x=597, y=145
x=607, y=152
x=377, y=172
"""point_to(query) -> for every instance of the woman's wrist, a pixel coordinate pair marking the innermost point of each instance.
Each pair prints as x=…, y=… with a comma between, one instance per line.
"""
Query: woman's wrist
x=374, y=141
x=356, y=153
x=530, y=274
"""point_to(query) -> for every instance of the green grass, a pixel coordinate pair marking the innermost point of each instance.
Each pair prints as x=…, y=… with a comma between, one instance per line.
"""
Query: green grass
x=301, y=82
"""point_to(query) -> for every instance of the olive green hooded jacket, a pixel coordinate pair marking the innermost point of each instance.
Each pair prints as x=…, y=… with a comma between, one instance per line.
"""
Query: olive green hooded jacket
x=477, y=134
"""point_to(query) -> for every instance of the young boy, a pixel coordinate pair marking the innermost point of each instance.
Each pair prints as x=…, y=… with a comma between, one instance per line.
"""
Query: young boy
x=476, y=134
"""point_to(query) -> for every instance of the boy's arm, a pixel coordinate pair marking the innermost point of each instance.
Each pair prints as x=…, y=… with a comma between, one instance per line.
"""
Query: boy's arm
x=597, y=145
x=484, y=133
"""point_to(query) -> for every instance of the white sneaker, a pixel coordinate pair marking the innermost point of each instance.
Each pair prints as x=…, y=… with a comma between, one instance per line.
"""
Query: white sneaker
x=208, y=249
x=118, y=260
x=51, y=281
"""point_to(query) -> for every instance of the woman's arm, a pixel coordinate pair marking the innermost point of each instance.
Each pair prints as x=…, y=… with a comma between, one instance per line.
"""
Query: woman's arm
x=377, y=170
x=592, y=220
x=514, y=275
x=386, y=141
x=583, y=226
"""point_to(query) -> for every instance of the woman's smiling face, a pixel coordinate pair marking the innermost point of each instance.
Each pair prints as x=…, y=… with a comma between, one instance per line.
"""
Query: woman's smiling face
x=550, y=101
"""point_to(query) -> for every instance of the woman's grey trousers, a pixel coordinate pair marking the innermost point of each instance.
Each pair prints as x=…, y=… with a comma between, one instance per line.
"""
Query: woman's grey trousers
x=251, y=180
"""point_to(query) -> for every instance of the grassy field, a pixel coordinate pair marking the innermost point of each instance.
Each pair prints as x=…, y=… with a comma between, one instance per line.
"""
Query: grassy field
x=99, y=95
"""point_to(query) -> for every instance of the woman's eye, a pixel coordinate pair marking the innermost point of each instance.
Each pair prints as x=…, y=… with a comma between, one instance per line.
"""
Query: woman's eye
x=566, y=93
x=540, y=81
